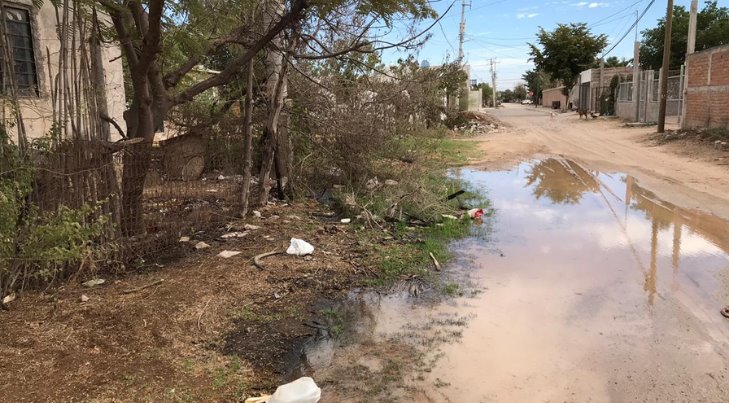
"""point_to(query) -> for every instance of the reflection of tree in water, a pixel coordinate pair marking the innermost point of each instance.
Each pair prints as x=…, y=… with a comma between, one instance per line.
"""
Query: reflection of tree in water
x=562, y=181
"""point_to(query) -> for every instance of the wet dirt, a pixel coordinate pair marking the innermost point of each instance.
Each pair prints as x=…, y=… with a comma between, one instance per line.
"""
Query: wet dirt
x=591, y=288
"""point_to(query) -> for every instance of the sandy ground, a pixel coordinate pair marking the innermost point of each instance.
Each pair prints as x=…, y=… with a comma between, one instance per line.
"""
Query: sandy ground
x=692, y=176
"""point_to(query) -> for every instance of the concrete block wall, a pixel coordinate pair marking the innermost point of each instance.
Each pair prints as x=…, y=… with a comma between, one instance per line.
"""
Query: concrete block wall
x=707, y=93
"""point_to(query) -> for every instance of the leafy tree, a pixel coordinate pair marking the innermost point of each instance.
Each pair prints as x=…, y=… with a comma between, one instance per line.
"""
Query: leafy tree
x=613, y=61
x=507, y=96
x=520, y=92
x=712, y=25
x=487, y=93
x=566, y=51
x=537, y=82
x=451, y=79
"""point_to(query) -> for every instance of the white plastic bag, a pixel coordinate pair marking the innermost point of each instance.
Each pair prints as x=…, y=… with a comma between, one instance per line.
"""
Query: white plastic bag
x=299, y=247
x=302, y=390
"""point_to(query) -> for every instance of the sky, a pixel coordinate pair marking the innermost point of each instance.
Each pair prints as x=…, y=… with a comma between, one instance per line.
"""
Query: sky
x=500, y=29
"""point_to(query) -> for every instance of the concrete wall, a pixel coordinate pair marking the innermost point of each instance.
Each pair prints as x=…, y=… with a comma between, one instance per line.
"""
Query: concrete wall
x=554, y=94
x=37, y=111
x=707, y=94
x=474, y=100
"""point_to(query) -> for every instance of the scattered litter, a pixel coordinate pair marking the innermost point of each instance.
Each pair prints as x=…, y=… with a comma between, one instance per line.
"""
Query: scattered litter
x=259, y=399
x=257, y=214
x=9, y=298
x=221, y=177
x=302, y=390
x=201, y=245
x=228, y=253
x=277, y=295
x=94, y=282
x=454, y=195
x=299, y=247
x=184, y=239
x=448, y=216
x=390, y=182
x=345, y=220
x=251, y=227
x=84, y=298
x=235, y=234
x=372, y=183
x=475, y=213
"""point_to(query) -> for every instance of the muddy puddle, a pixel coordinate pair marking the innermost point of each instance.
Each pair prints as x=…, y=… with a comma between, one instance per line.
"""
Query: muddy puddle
x=589, y=288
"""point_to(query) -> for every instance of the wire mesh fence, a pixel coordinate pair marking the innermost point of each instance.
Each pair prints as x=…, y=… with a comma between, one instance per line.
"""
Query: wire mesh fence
x=183, y=186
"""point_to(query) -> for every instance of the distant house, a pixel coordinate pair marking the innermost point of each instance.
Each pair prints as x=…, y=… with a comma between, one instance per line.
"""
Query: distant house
x=554, y=98
x=593, y=83
x=33, y=34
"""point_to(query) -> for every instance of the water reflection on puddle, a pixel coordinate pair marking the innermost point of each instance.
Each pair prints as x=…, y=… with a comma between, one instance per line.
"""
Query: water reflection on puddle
x=593, y=289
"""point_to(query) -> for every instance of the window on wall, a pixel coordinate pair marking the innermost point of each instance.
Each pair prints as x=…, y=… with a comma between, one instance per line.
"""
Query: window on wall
x=20, y=39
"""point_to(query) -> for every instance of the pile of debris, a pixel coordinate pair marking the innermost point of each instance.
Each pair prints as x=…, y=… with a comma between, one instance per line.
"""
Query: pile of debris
x=479, y=123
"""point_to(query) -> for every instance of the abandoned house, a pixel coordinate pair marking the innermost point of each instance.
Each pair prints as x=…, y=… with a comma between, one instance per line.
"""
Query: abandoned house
x=75, y=81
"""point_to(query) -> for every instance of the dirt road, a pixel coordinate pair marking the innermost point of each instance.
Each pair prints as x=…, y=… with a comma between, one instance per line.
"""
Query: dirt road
x=686, y=175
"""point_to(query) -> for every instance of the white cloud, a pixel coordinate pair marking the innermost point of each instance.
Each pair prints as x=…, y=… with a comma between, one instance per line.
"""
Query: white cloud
x=593, y=4
x=521, y=16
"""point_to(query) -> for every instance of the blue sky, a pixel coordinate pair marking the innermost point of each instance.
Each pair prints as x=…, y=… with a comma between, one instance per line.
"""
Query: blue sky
x=500, y=29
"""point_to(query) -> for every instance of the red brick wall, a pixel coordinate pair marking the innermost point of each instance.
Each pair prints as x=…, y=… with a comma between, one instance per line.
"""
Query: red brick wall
x=707, y=96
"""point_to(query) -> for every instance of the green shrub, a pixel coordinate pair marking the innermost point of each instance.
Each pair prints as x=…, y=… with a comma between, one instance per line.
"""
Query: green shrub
x=37, y=246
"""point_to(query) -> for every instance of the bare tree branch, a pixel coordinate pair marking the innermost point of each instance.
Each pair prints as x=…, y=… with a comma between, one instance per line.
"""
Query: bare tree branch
x=235, y=66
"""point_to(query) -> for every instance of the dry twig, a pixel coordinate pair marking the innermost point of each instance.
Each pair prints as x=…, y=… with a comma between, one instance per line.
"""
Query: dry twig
x=199, y=317
x=435, y=261
x=133, y=290
x=257, y=259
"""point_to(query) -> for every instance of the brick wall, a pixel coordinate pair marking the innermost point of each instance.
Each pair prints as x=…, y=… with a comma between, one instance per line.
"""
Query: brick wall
x=707, y=93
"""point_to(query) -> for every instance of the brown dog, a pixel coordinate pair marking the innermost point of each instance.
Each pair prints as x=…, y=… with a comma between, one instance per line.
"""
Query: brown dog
x=583, y=112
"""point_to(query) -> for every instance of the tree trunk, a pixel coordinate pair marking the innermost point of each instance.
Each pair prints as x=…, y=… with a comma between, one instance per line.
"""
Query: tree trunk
x=284, y=158
x=136, y=163
x=275, y=94
x=247, y=142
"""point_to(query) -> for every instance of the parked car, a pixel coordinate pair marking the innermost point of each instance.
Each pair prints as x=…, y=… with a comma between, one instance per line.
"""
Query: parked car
x=526, y=102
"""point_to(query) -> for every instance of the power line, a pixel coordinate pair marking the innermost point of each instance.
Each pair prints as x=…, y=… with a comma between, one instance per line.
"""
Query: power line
x=596, y=23
x=630, y=29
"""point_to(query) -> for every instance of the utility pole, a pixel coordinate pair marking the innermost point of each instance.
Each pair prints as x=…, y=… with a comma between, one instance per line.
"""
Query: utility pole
x=493, y=83
x=462, y=32
x=690, y=48
x=636, y=71
x=666, y=65
x=692, y=27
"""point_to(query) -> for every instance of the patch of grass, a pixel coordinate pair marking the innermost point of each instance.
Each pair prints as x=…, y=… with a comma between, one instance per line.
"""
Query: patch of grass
x=222, y=376
x=452, y=289
x=335, y=320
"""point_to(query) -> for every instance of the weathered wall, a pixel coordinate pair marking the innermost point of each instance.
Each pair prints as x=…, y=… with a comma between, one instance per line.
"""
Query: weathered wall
x=707, y=93
x=474, y=100
x=37, y=111
x=554, y=94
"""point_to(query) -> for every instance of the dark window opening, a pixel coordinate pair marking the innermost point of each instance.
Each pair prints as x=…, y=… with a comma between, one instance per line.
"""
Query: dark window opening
x=20, y=39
